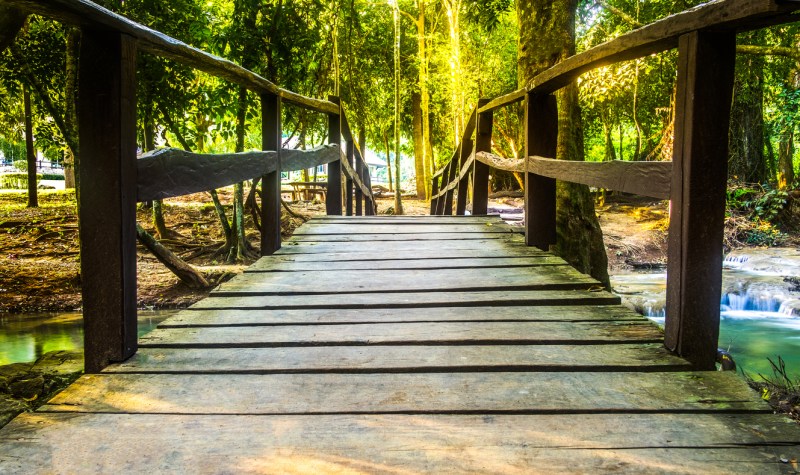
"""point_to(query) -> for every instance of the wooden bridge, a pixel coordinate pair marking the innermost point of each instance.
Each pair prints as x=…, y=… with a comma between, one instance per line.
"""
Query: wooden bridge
x=404, y=344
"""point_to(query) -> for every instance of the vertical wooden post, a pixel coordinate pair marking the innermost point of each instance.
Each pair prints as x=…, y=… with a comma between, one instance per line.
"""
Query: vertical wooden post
x=359, y=194
x=480, y=171
x=466, y=148
x=348, y=181
x=434, y=192
x=369, y=204
x=271, y=182
x=333, y=202
x=445, y=180
x=107, y=200
x=699, y=176
x=541, y=138
x=452, y=173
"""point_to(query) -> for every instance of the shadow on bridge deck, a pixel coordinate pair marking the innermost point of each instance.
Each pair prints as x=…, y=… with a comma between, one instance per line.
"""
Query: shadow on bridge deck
x=404, y=344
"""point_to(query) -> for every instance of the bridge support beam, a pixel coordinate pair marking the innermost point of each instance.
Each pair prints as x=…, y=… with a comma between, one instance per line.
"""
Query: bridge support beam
x=541, y=138
x=697, y=209
x=480, y=171
x=107, y=196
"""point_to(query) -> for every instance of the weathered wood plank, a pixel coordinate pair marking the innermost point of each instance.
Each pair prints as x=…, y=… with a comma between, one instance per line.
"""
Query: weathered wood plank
x=172, y=172
x=421, y=333
x=653, y=443
x=503, y=392
x=292, y=247
x=406, y=219
x=567, y=313
x=323, y=229
x=404, y=359
x=341, y=300
x=507, y=236
x=287, y=264
x=407, y=280
x=380, y=259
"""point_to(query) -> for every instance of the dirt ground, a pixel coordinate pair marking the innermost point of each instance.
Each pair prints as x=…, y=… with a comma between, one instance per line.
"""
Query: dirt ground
x=40, y=269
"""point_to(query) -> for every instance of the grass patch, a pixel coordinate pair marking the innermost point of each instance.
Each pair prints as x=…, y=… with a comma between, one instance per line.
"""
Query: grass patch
x=780, y=390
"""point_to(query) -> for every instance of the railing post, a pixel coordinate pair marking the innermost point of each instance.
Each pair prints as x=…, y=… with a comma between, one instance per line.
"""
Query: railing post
x=452, y=173
x=107, y=199
x=348, y=181
x=333, y=202
x=359, y=194
x=369, y=204
x=445, y=180
x=541, y=138
x=271, y=182
x=434, y=192
x=480, y=171
x=466, y=148
x=697, y=208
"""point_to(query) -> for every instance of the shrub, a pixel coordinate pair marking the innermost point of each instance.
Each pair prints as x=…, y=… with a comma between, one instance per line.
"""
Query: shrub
x=16, y=181
x=21, y=165
x=52, y=176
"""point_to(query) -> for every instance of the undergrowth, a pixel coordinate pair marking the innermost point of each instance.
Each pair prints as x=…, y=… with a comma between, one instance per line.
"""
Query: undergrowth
x=758, y=215
x=780, y=390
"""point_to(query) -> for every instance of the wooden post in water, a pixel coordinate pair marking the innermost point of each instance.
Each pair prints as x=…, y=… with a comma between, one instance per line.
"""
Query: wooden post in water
x=271, y=182
x=697, y=206
x=480, y=171
x=107, y=198
x=333, y=202
x=541, y=138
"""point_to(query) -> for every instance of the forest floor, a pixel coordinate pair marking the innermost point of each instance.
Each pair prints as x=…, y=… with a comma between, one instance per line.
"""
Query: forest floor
x=40, y=269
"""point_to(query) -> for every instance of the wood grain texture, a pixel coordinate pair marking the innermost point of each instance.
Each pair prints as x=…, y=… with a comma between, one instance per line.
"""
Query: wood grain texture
x=292, y=265
x=410, y=393
x=486, y=313
x=324, y=229
x=172, y=172
x=515, y=444
x=404, y=359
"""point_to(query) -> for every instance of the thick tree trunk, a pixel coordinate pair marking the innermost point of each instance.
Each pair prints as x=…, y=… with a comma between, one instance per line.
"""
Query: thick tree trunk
x=186, y=273
x=388, y=158
x=786, y=158
x=547, y=35
x=746, y=138
x=70, y=111
x=30, y=152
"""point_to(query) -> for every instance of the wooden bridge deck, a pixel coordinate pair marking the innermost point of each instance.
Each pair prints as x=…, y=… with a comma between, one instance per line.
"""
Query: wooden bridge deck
x=404, y=345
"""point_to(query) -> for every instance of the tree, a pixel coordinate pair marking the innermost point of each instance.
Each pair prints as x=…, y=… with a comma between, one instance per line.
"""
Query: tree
x=547, y=36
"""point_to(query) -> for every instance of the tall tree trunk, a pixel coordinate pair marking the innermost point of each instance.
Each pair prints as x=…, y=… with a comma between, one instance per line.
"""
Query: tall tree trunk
x=419, y=145
x=398, y=199
x=786, y=158
x=746, y=138
x=453, y=12
x=547, y=35
x=70, y=111
x=30, y=152
x=388, y=158
x=150, y=144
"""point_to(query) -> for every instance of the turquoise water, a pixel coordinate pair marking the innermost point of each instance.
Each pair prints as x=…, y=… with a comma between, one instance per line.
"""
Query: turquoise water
x=26, y=337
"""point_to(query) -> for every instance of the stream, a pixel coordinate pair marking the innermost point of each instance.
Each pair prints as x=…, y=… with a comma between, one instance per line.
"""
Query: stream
x=26, y=337
x=759, y=308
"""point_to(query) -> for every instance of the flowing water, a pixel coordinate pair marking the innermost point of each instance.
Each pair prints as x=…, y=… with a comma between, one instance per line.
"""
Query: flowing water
x=759, y=309
x=26, y=337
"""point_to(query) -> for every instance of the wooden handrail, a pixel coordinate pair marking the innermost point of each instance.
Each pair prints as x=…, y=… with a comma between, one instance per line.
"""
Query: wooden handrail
x=86, y=13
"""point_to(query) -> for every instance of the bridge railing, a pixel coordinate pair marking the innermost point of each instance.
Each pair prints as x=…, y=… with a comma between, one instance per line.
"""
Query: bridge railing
x=113, y=180
x=694, y=182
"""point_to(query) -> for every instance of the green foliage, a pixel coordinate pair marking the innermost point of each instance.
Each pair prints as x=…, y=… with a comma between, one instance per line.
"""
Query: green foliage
x=52, y=176
x=16, y=181
x=21, y=165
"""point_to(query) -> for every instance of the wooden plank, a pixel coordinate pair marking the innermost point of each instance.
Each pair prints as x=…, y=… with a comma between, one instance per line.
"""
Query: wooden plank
x=694, y=265
x=403, y=359
x=422, y=333
x=490, y=256
x=480, y=171
x=424, y=393
x=640, y=178
x=292, y=246
x=730, y=16
x=271, y=138
x=652, y=443
x=341, y=300
x=406, y=219
x=324, y=229
x=87, y=13
x=407, y=280
x=288, y=264
x=107, y=120
x=567, y=313
x=541, y=137
x=444, y=236
x=172, y=172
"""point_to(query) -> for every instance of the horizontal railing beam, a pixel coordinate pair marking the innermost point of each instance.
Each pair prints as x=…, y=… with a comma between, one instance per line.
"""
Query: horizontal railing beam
x=85, y=13
x=172, y=172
